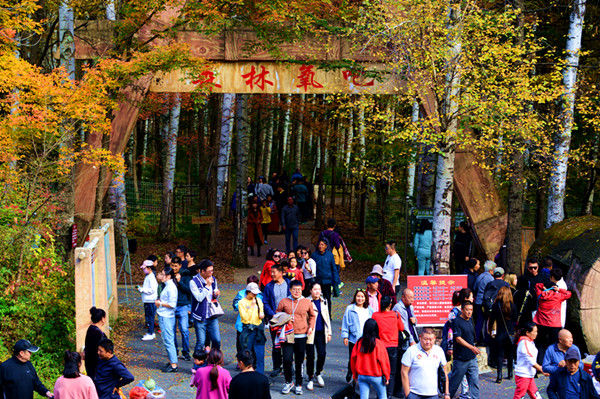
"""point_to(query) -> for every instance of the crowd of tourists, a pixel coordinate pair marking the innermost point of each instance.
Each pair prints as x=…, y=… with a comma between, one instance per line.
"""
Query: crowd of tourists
x=520, y=322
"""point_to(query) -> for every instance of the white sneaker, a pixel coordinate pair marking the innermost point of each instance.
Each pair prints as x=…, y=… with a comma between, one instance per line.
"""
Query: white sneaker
x=298, y=390
x=320, y=381
x=287, y=388
x=148, y=337
x=310, y=386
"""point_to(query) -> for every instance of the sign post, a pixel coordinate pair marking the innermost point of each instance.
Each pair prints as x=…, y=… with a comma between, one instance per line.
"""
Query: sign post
x=433, y=297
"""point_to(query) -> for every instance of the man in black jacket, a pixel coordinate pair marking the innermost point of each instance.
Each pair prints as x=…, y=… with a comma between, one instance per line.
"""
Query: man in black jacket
x=111, y=374
x=18, y=378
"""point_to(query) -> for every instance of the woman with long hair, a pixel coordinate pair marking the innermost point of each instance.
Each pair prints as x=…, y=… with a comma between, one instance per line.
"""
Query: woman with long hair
x=504, y=316
x=355, y=317
x=72, y=384
x=93, y=337
x=370, y=362
x=212, y=381
x=526, y=362
x=165, y=306
x=318, y=338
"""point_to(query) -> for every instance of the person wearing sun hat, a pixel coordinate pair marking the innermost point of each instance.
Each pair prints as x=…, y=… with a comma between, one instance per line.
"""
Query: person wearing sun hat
x=385, y=287
x=18, y=378
x=252, y=314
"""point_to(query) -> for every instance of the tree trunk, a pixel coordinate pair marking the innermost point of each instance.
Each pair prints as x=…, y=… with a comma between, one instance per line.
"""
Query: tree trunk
x=442, y=206
x=588, y=204
x=319, y=222
x=540, y=208
x=412, y=166
x=269, y=142
x=111, y=12
x=240, y=246
x=117, y=204
x=558, y=170
x=286, y=132
x=66, y=38
x=224, y=149
x=364, y=193
x=298, y=154
x=516, y=191
x=170, y=143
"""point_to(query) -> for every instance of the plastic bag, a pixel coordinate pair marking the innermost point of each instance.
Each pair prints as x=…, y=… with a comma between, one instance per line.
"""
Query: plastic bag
x=156, y=394
x=138, y=393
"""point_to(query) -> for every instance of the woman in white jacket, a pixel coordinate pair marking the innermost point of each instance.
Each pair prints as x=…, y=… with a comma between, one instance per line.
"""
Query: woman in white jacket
x=149, y=295
x=318, y=338
x=526, y=363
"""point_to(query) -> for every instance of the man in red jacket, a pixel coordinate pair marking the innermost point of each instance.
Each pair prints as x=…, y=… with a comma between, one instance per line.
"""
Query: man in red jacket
x=547, y=317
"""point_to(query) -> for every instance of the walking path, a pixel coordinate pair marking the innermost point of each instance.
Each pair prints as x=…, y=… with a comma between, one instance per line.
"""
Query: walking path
x=147, y=357
x=274, y=241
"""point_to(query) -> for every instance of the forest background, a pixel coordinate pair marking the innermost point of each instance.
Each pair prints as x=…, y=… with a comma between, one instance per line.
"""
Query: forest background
x=507, y=81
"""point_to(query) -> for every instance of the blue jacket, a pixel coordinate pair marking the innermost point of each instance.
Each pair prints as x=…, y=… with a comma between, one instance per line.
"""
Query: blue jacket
x=554, y=356
x=269, y=298
x=111, y=374
x=351, y=324
x=482, y=280
x=327, y=271
x=241, y=295
x=558, y=385
x=422, y=243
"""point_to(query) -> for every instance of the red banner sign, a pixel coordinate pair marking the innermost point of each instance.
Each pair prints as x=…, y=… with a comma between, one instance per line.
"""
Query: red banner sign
x=433, y=297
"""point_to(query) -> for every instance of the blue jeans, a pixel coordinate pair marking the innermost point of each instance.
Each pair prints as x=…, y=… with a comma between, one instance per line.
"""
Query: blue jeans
x=364, y=386
x=183, y=322
x=291, y=232
x=167, y=331
x=149, y=313
x=459, y=370
x=250, y=340
x=210, y=327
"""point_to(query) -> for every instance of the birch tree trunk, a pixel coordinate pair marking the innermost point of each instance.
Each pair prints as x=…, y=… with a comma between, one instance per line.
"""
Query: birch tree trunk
x=170, y=143
x=240, y=246
x=66, y=38
x=269, y=143
x=111, y=11
x=227, y=116
x=558, y=170
x=442, y=205
x=364, y=193
x=286, y=131
x=412, y=166
x=298, y=154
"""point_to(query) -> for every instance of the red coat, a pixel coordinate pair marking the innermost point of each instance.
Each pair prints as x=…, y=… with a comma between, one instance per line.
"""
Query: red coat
x=390, y=324
x=254, y=229
x=375, y=364
x=549, y=301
